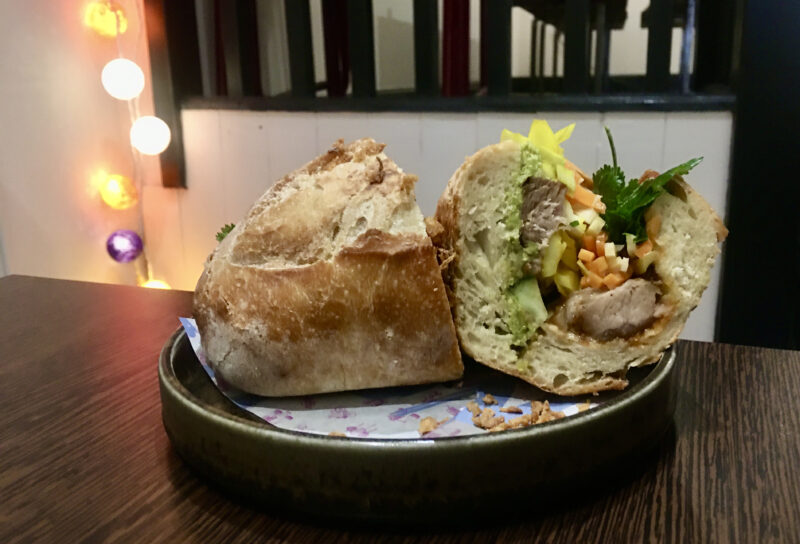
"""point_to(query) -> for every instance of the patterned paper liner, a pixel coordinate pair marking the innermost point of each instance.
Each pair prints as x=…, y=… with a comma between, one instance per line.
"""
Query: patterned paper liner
x=389, y=413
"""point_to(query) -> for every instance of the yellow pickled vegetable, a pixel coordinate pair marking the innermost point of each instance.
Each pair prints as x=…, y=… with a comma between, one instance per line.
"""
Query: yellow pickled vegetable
x=566, y=176
x=566, y=280
x=552, y=254
x=570, y=256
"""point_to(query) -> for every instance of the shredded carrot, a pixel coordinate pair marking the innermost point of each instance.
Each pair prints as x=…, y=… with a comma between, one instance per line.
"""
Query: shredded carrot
x=598, y=266
x=584, y=196
x=580, y=175
x=588, y=242
x=644, y=248
x=585, y=255
x=584, y=282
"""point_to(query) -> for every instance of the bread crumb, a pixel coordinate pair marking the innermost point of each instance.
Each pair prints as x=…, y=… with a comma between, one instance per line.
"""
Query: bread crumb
x=521, y=421
x=473, y=407
x=429, y=423
x=336, y=433
x=489, y=399
x=540, y=413
x=487, y=419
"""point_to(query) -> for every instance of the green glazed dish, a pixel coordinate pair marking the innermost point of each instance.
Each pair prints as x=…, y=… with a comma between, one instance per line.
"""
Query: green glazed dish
x=405, y=480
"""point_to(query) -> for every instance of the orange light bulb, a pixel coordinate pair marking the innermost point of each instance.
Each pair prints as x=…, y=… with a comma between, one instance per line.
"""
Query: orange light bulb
x=119, y=192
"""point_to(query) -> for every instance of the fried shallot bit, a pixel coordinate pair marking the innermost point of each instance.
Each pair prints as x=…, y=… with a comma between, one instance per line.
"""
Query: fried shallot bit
x=487, y=419
x=427, y=425
x=473, y=407
x=511, y=409
x=521, y=421
x=489, y=399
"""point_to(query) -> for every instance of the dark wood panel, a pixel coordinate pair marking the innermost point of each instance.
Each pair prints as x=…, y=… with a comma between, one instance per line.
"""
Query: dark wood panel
x=362, y=47
x=411, y=102
x=762, y=194
x=602, y=39
x=659, y=45
x=85, y=457
x=455, y=48
x=498, y=48
x=301, y=54
x=426, y=47
x=337, y=51
x=576, y=46
x=717, y=53
x=239, y=35
x=175, y=71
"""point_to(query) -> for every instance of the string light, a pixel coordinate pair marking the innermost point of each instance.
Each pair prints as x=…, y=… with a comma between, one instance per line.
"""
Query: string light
x=150, y=135
x=119, y=192
x=156, y=284
x=122, y=79
x=106, y=18
x=124, y=245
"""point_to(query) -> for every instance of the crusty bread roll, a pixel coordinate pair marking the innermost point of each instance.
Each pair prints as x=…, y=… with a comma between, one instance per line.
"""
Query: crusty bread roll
x=330, y=283
x=559, y=358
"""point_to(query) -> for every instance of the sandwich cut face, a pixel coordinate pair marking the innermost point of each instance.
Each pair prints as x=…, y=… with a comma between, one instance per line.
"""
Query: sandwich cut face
x=541, y=288
x=330, y=283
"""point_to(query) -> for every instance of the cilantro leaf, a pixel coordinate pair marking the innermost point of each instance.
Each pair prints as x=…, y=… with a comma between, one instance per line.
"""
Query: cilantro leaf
x=627, y=201
x=224, y=231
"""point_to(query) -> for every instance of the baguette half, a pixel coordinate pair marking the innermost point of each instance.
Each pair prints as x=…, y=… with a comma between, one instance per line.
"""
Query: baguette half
x=330, y=283
x=559, y=359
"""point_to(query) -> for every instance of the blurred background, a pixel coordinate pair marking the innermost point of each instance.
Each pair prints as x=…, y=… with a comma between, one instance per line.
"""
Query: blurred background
x=248, y=90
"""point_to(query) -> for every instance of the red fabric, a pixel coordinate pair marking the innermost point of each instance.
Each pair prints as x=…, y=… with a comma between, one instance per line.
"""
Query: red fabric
x=455, y=48
x=337, y=53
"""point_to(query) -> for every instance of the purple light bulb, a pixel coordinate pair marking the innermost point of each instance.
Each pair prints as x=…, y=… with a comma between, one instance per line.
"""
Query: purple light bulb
x=124, y=245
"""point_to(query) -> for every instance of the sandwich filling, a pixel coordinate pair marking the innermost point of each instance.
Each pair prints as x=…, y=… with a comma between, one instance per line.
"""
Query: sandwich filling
x=583, y=250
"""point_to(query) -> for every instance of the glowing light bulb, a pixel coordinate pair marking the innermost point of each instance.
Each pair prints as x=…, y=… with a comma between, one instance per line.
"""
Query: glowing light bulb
x=150, y=135
x=122, y=79
x=156, y=284
x=119, y=192
x=105, y=17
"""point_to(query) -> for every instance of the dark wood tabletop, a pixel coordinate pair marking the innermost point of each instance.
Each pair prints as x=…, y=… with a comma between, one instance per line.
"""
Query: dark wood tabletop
x=84, y=456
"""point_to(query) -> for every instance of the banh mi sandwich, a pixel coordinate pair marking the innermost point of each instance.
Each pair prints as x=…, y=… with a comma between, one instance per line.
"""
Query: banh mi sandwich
x=567, y=280
x=330, y=283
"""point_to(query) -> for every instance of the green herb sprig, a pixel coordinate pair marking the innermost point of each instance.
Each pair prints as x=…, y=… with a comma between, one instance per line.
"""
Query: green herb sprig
x=224, y=231
x=627, y=202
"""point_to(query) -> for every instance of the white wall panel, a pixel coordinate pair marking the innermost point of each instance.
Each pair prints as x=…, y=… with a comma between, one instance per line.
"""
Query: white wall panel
x=244, y=171
x=447, y=139
x=202, y=204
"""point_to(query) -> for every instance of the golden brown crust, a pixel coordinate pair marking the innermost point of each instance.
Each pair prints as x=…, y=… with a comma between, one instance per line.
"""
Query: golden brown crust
x=373, y=314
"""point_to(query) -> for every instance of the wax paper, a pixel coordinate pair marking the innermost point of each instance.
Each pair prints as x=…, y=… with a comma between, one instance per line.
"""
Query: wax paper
x=390, y=413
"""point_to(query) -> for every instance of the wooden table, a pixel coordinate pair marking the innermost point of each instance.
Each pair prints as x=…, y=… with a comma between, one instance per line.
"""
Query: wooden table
x=84, y=457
